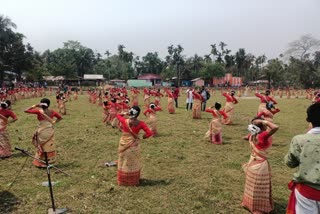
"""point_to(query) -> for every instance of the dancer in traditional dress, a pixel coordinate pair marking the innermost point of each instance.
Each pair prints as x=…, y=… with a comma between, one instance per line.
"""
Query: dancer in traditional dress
x=62, y=104
x=268, y=112
x=152, y=119
x=229, y=107
x=196, y=108
x=146, y=97
x=129, y=162
x=135, y=96
x=43, y=138
x=214, y=134
x=170, y=106
x=264, y=99
x=257, y=195
x=157, y=97
x=5, y=113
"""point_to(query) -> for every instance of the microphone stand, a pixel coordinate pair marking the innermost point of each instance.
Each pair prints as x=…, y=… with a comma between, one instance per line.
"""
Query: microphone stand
x=52, y=210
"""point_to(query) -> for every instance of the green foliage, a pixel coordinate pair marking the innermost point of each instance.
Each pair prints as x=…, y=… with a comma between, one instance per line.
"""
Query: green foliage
x=212, y=70
x=298, y=66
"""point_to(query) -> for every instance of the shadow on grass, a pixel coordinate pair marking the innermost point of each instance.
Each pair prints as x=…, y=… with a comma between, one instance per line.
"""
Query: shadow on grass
x=8, y=202
x=148, y=182
x=279, y=145
x=18, y=155
x=69, y=165
x=280, y=206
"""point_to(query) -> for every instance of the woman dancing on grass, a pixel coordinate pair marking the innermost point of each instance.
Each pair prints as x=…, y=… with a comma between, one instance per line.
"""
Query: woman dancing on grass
x=43, y=138
x=257, y=196
x=129, y=163
x=196, y=108
x=215, y=127
x=152, y=119
x=5, y=113
x=170, y=106
x=229, y=107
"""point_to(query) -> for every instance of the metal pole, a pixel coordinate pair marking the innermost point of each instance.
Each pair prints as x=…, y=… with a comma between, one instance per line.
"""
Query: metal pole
x=49, y=180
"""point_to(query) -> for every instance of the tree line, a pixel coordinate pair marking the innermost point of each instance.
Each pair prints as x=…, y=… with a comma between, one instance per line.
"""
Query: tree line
x=299, y=66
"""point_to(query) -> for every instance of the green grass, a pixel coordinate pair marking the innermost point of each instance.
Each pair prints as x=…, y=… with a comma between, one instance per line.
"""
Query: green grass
x=182, y=173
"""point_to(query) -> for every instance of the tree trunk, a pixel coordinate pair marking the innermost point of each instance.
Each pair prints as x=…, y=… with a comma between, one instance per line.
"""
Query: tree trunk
x=1, y=77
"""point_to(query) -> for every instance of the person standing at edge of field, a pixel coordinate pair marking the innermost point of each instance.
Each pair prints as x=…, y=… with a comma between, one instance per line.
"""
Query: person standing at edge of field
x=304, y=152
x=257, y=195
x=176, y=94
x=205, y=96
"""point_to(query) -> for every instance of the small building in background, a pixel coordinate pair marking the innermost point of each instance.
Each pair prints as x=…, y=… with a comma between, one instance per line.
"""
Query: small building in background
x=227, y=81
x=118, y=83
x=53, y=80
x=155, y=79
x=139, y=83
x=92, y=80
x=197, y=82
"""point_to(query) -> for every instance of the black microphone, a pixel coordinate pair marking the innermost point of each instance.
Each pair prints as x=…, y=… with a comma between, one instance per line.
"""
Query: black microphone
x=21, y=150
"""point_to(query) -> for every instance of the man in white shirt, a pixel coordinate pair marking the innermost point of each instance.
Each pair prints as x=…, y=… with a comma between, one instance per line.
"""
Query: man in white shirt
x=189, y=100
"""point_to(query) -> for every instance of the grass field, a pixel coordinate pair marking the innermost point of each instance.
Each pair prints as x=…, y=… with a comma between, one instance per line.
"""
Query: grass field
x=182, y=173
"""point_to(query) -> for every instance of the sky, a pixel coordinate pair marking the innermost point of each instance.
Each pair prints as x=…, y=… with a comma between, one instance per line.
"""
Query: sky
x=259, y=26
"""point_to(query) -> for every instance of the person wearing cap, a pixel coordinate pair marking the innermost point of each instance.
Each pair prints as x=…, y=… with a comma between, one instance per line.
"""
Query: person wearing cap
x=303, y=154
x=5, y=113
x=43, y=138
x=229, y=107
x=215, y=127
x=152, y=119
x=129, y=163
x=257, y=196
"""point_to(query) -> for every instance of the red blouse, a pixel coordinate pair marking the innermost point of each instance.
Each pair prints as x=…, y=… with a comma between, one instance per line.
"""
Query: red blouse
x=149, y=110
x=135, y=129
x=41, y=117
x=264, y=140
x=8, y=113
x=169, y=93
x=265, y=114
x=214, y=113
x=265, y=99
x=230, y=98
x=197, y=96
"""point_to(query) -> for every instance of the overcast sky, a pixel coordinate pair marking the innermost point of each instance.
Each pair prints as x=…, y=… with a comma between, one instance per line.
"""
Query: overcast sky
x=259, y=26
